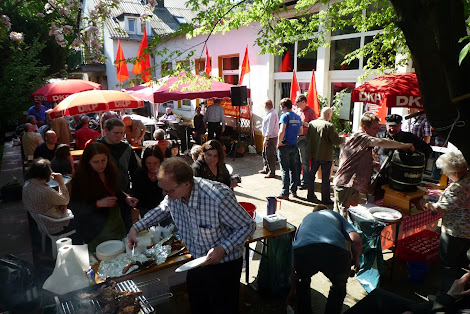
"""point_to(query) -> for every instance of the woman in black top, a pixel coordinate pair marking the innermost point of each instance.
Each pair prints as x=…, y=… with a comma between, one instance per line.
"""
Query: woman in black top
x=210, y=165
x=145, y=184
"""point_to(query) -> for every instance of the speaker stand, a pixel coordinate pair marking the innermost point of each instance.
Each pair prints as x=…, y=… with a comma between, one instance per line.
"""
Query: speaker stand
x=234, y=152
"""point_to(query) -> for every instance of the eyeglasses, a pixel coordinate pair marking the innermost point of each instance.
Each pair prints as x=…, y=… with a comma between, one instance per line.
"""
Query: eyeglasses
x=172, y=190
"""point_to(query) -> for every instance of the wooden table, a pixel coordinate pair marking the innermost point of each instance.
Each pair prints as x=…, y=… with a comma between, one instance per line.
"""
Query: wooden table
x=262, y=234
x=170, y=262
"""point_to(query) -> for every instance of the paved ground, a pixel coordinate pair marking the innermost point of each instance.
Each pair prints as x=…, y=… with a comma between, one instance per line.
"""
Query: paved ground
x=15, y=238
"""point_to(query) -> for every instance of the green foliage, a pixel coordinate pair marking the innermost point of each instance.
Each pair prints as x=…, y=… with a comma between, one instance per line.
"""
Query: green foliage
x=341, y=126
x=22, y=75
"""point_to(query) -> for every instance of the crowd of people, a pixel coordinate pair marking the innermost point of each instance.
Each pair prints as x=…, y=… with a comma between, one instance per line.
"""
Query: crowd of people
x=115, y=193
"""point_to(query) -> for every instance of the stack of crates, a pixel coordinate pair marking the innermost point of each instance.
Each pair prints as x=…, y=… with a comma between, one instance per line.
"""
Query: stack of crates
x=422, y=246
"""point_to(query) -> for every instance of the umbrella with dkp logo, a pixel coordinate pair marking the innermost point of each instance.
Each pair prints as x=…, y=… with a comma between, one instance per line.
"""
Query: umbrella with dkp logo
x=391, y=90
x=58, y=91
x=95, y=101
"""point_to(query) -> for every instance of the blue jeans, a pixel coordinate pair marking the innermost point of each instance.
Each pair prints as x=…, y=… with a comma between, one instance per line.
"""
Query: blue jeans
x=304, y=161
x=325, y=179
x=288, y=157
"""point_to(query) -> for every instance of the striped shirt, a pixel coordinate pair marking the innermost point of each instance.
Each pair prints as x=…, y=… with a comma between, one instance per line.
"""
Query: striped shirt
x=211, y=217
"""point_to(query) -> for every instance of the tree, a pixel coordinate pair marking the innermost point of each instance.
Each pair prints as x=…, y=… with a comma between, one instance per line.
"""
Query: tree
x=432, y=33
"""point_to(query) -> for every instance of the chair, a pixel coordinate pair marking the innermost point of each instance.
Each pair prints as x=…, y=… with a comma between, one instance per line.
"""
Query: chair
x=43, y=230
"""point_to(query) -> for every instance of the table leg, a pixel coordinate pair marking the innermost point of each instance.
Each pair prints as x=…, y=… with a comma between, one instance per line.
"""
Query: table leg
x=397, y=230
x=247, y=261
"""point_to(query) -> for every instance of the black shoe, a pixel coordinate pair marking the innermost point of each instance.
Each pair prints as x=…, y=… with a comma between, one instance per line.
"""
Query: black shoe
x=282, y=197
x=313, y=200
x=327, y=202
x=295, y=195
x=302, y=187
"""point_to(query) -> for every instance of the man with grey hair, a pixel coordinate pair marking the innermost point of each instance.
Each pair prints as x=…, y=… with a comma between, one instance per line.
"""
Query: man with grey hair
x=270, y=130
x=213, y=226
x=30, y=140
x=215, y=120
x=321, y=137
x=85, y=134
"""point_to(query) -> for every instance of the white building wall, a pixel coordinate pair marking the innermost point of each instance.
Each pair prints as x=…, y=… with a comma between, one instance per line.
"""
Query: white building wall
x=258, y=79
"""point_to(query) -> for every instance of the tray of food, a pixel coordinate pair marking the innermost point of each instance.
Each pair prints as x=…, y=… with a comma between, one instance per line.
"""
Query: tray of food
x=107, y=297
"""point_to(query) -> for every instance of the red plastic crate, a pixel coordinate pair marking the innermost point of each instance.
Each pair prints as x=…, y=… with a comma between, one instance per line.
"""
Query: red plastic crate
x=422, y=246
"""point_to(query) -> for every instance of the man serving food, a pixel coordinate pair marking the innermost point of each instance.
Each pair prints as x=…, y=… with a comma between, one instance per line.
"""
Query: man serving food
x=212, y=224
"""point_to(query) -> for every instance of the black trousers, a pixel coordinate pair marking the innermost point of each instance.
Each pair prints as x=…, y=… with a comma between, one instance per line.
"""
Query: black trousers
x=215, y=288
x=214, y=128
x=333, y=262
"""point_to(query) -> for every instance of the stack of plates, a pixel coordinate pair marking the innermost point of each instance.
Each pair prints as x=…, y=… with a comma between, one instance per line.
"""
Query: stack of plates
x=109, y=249
x=385, y=214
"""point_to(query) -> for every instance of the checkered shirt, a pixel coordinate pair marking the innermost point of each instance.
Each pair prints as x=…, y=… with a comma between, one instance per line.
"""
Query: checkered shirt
x=211, y=217
x=421, y=127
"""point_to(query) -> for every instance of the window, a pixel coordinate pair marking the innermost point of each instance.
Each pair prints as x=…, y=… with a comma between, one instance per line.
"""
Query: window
x=229, y=68
x=285, y=63
x=131, y=25
x=339, y=49
x=200, y=65
x=346, y=106
x=184, y=65
x=166, y=67
x=307, y=62
x=180, y=19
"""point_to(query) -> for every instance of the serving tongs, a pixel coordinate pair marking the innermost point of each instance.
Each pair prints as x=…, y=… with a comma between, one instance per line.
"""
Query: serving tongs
x=140, y=266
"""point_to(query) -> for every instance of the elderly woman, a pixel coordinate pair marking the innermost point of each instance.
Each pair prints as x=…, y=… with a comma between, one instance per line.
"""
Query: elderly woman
x=145, y=184
x=40, y=198
x=210, y=165
x=98, y=203
x=454, y=204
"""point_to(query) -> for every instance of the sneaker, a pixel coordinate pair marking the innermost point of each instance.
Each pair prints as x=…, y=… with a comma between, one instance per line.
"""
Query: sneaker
x=282, y=197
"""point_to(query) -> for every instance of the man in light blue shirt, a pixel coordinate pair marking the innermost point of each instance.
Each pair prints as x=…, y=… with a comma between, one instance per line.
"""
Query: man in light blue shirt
x=270, y=129
x=215, y=120
x=322, y=244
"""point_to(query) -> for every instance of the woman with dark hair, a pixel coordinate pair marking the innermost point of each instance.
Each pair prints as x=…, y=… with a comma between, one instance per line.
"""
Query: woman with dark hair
x=62, y=162
x=210, y=165
x=145, y=184
x=40, y=198
x=97, y=200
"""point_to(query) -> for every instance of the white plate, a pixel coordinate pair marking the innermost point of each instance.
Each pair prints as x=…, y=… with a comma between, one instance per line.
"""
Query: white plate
x=191, y=264
x=385, y=214
x=109, y=249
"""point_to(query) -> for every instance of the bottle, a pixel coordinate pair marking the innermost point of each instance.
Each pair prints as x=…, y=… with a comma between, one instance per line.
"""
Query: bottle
x=443, y=181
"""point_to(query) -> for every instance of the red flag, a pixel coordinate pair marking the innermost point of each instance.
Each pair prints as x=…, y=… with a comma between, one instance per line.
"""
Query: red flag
x=286, y=64
x=208, y=63
x=245, y=66
x=142, y=66
x=312, y=97
x=294, y=88
x=120, y=61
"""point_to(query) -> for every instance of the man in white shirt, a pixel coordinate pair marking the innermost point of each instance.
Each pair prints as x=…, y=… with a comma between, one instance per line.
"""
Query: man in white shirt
x=215, y=120
x=270, y=129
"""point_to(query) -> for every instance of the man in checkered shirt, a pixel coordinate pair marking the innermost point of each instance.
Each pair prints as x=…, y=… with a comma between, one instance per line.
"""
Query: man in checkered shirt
x=211, y=224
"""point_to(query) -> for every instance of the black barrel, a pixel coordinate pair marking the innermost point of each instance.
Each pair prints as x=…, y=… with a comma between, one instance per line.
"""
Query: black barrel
x=406, y=170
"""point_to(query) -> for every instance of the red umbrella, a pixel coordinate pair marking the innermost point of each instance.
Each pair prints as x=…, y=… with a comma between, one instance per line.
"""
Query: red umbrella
x=166, y=93
x=391, y=90
x=57, y=91
x=95, y=101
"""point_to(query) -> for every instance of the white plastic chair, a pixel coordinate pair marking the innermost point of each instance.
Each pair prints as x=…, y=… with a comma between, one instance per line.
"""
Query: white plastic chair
x=42, y=228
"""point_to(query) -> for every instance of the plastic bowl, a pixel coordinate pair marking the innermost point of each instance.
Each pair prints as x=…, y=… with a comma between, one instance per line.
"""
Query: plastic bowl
x=250, y=208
